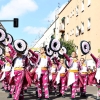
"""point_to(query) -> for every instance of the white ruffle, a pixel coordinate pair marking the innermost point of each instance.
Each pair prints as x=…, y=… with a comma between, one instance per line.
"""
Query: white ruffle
x=71, y=78
x=97, y=76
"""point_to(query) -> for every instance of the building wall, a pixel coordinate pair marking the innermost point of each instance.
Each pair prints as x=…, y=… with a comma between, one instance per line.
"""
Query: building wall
x=47, y=35
x=93, y=34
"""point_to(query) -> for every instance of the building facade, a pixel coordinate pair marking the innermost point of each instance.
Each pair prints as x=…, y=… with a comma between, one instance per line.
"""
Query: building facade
x=80, y=20
x=52, y=30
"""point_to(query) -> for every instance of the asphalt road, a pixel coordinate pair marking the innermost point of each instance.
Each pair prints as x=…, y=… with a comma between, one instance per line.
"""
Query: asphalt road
x=30, y=95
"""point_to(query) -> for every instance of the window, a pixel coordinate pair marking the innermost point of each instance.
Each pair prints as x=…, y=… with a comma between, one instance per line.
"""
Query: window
x=89, y=24
x=67, y=19
x=77, y=8
x=73, y=12
x=73, y=32
x=70, y=14
x=43, y=44
x=82, y=5
x=77, y=31
x=70, y=32
x=89, y=3
x=82, y=27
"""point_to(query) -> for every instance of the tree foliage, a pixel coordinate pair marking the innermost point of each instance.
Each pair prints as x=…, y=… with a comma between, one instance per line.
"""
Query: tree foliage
x=69, y=45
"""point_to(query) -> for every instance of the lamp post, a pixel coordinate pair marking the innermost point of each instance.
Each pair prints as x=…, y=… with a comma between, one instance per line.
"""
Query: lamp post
x=15, y=22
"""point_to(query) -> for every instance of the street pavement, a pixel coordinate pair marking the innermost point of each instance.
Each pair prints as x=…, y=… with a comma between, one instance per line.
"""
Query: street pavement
x=30, y=95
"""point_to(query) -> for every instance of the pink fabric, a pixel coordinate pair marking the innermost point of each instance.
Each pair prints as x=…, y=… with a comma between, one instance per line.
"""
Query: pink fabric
x=70, y=61
x=95, y=59
x=1, y=63
x=1, y=74
x=62, y=85
x=74, y=86
x=27, y=79
x=18, y=79
x=12, y=52
x=6, y=81
x=43, y=82
x=83, y=88
x=12, y=89
x=8, y=60
x=53, y=83
x=91, y=78
x=33, y=59
x=33, y=53
x=80, y=81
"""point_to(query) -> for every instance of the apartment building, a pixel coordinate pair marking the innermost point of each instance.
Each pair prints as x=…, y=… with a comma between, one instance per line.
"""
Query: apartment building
x=80, y=20
x=52, y=30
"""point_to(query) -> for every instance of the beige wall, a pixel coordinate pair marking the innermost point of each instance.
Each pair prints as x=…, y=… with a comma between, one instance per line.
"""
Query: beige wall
x=93, y=12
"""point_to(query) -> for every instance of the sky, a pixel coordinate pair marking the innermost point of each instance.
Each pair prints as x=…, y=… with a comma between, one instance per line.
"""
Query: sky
x=35, y=16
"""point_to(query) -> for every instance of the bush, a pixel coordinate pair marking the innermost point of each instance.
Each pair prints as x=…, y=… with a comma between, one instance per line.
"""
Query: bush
x=69, y=45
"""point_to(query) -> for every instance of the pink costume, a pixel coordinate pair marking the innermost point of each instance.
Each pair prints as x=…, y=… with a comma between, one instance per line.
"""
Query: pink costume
x=61, y=77
x=42, y=72
x=84, y=75
x=18, y=74
x=1, y=65
x=6, y=69
x=97, y=75
x=52, y=76
x=72, y=74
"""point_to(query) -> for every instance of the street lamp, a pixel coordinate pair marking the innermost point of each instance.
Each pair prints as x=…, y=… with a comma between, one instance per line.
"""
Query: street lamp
x=15, y=22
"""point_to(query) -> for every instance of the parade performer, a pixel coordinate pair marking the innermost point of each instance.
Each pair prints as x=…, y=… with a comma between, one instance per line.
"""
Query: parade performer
x=97, y=75
x=84, y=75
x=42, y=72
x=73, y=64
x=52, y=75
x=1, y=65
x=34, y=60
x=61, y=77
x=6, y=70
x=19, y=73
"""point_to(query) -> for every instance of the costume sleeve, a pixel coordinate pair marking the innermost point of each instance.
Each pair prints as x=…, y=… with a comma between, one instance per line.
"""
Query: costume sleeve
x=12, y=52
x=33, y=59
x=49, y=62
x=1, y=62
x=33, y=53
x=8, y=60
x=56, y=60
x=26, y=61
x=66, y=57
x=94, y=58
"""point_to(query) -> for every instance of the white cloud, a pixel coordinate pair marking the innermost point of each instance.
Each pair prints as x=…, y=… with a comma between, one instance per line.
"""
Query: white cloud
x=34, y=30
x=16, y=8
x=51, y=16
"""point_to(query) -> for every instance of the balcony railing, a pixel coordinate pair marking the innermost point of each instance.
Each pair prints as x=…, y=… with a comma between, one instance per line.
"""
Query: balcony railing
x=62, y=28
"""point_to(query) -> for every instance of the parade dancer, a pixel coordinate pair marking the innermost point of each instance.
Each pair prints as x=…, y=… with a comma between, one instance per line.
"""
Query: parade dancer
x=18, y=73
x=61, y=77
x=73, y=64
x=84, y=75
x=1, y=65
x=34, y=59
x=6, y=70
x=42, y=72
x=52, y=76
x=97, y=76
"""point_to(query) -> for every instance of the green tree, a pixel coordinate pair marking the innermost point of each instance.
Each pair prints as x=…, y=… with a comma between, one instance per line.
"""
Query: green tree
x=69, y=45
x=53, y=36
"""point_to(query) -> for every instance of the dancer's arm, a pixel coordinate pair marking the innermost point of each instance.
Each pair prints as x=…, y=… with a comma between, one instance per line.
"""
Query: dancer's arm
x=94, y=58
x=66, y=57
x=33, y=53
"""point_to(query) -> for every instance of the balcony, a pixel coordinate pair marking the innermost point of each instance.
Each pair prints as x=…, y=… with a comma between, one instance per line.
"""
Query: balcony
x=62, y=28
